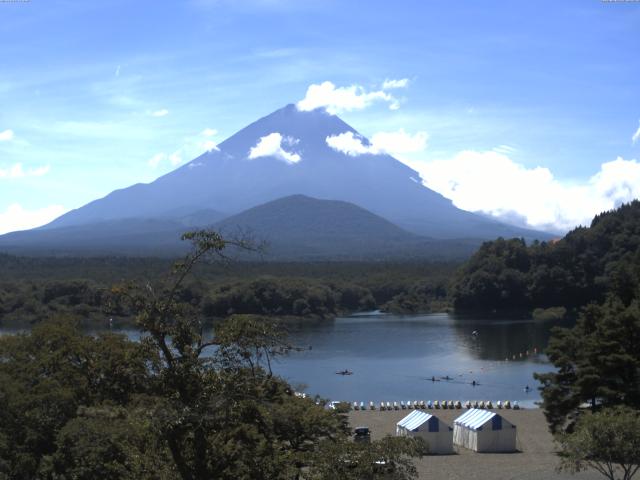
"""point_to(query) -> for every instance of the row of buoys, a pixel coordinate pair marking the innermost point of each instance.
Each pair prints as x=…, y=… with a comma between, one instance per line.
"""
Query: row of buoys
x=489, y=405
x=484, y=369
x=524, y=354
x=444, y=404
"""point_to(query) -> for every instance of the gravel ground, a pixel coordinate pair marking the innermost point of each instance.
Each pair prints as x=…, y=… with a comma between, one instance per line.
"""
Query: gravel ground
x=535, y=459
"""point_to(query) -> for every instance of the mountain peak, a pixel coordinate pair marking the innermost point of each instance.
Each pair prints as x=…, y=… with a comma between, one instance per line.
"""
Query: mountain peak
x=286, y=153
x=310, y=128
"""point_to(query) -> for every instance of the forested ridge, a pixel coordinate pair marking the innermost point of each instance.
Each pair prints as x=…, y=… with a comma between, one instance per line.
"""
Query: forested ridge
x=34, y=288
x=595, y=271
x=504, y=276
x=581, y=268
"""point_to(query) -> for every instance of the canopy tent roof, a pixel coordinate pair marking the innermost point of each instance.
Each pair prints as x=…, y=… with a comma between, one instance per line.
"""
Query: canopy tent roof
x=475, y=418
x=414, y=420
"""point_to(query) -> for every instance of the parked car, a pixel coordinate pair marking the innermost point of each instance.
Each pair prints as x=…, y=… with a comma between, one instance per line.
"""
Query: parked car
x=362, y=434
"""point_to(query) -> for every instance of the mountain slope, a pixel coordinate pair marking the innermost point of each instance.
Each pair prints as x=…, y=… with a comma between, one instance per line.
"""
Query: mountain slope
x=300, y=227
x=228, y=180
x=294, y=228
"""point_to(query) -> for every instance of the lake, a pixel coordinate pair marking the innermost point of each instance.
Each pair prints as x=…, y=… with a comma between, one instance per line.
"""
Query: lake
x=408, y=357
x=395, y=358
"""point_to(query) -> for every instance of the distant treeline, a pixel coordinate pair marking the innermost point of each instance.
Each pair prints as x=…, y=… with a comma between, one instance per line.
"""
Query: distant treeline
x=584, y=267
x=35, y=288
x=504, y=276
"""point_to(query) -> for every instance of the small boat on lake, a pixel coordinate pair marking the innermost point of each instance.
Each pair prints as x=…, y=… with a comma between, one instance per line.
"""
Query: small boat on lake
x=344, y=372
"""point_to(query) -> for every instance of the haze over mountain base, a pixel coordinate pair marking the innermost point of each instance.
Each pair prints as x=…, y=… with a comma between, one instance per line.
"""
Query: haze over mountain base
x=287, y=179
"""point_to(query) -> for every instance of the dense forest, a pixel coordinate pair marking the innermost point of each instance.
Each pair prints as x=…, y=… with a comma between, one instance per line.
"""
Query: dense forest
x=596, y=271
x=79, y=406
x=504, y=276
x=74, y=405
x=34, y=288
x=583, y=267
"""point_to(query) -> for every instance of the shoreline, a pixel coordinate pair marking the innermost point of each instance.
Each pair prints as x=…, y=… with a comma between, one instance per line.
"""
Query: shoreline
x=535, y=459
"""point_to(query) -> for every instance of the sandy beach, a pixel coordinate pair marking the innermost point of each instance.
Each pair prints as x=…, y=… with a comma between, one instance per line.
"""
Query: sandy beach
x=535, y=459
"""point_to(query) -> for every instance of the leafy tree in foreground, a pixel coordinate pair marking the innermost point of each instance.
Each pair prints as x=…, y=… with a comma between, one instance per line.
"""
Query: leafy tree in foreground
x=224, y=414
x=51, y=372
x=607, y=441
x=176, y=404
x=388, y=458
x=597, y=362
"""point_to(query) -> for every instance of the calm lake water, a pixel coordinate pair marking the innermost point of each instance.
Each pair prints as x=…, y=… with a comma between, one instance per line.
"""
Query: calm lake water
x=394, y=358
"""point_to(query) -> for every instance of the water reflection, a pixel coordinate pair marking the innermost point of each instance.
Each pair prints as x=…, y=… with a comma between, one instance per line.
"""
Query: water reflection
x=500, y=339
x=424, y=356
x=415, y=357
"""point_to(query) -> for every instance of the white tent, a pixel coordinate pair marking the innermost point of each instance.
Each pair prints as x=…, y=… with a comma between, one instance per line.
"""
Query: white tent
x=437, y=434
x=484, y=431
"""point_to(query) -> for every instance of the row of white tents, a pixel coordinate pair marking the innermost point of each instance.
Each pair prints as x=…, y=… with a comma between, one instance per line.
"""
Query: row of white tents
x=477, y=430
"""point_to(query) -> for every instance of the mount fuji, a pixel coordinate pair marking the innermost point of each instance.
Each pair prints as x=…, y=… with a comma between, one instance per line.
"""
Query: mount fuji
x=285, y=154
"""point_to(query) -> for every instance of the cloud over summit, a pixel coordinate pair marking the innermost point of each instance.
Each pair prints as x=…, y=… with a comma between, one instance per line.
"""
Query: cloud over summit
x=344, y=99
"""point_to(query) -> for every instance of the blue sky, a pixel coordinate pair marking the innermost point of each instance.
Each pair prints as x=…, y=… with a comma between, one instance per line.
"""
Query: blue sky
x=523, y=110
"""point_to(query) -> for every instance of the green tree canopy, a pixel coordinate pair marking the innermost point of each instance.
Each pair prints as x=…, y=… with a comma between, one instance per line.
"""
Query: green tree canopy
x=607, y=441
x=583, y=267
x=597, y=362
x=176, y=404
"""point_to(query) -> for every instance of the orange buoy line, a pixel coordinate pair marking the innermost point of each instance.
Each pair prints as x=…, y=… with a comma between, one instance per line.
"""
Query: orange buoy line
x=524, y=354
x=498, y=363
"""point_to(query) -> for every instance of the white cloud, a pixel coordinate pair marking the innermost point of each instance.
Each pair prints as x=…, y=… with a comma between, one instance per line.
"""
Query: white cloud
x=399, y=142
x=156, y=159
x=636, y=136
x=16, y=171
x=6, y=135
x=160, y=113
x=15, y=217
x=337, y=99
x=209, y=145
x=176, y=158
x=271, y=146
x=192, y=147
x=393, y=143
x=400, y=83
x=492, y=183
x=505, y=149
x=350, y=144
x=117, y=71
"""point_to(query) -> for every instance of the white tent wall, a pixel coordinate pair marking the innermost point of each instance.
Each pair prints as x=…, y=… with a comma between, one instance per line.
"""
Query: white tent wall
x=503, y=440
x=484, y=431
x=437, y=434
x=464, y=437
